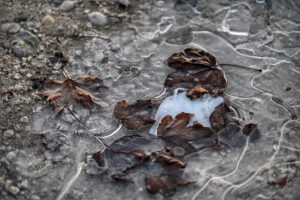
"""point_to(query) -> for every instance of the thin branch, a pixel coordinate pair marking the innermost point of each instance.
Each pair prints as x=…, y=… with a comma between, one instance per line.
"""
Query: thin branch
x=241, y=66
x=90, y=133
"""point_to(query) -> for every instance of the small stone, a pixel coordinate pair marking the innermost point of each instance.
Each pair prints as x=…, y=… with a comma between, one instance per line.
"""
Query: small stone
x=97, y=18
x=67, y=6
x=11, y=156
x=35, y=197
x=2, y=182
x=115, y=47
x=48, y=20
x=25, y=184
x=17, y=76
x=14, y=190
x=8, y=183
x=10, y=28
x=125, y=3
x=24, y=119
x=24, y=44
x=9, y=133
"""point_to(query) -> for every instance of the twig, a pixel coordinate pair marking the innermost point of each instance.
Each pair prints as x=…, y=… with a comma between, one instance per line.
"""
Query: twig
x=90, y=133
x=241, y=66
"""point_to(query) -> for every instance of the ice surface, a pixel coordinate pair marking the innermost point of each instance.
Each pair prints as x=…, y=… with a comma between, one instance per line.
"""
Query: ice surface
x=179, y=102
x=255, y=35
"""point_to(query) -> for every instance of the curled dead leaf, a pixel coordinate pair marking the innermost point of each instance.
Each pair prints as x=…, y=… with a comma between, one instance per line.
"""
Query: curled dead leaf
x=212, y=81
x=136, y=121
x=176, y=133
x=191, y=59
x=69, y=89
x=127, y=113
x=248, y=128
x=98, y=158
x=218, y=118
x=196, y=91
x=282, y=182
x=123, y=109
x=166, y=159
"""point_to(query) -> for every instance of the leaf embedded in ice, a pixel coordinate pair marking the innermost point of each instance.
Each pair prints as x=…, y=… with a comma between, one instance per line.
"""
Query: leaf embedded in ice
x=218, y=118
x=128, y=113
x=191, y=59
x=64, y=91
x=211, y=80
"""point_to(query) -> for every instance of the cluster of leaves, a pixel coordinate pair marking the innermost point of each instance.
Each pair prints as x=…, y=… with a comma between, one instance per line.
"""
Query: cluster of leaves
x=174, y=132
x=125, y=159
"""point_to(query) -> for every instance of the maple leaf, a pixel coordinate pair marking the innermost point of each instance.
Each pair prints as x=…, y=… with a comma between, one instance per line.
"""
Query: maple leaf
x=65, y=91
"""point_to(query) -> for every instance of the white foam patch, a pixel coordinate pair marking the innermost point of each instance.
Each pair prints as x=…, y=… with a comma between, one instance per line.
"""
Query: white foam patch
x=202, y=108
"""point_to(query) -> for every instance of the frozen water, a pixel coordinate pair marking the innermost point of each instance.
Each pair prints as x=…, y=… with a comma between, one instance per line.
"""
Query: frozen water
x=254, y=34
x=179, y=102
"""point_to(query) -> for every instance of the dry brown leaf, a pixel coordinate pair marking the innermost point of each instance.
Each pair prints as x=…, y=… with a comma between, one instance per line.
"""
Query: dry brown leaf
x=191, y=59
x=248, y=128
x=218, y=119
x=127, y=113
x=69, y=89
x=212, y=80
x=196, y=92
x=166, y=159
x=282, y=182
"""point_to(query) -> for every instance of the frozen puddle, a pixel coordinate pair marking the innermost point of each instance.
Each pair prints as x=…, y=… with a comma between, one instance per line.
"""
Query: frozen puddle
x=245, y=34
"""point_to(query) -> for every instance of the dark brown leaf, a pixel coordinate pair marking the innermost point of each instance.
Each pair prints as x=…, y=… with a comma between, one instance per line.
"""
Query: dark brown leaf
x=121, y=178
x=191, y=59
x=196, y=91
x=282, y=182
x=248, y=128
x=155, y=185
x=176, y=133
x=218, y=118
x=178, y=127
x=98, y=158
x=122, y=109
x=136, y=121
x=127, y=113
x=69, y=89
x=212, y=81
x=166, y=159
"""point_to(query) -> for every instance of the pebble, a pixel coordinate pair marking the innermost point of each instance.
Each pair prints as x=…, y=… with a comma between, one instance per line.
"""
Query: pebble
x=48, y=20
x=67, y=6
x=125, y=3
x=97, y=18
x=115, y=47
x=24, y=119
x=8, y=183
x=10, y=28
x=2, y=182
x=24, y=44
x=11, y=156
x=9, y=133
x=35, y=197
x=14, y=190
